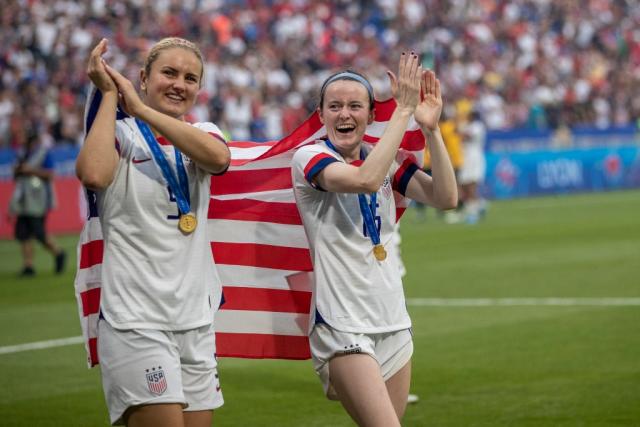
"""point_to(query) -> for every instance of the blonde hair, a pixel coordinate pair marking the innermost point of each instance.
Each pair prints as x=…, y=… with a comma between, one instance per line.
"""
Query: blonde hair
x=170, y=43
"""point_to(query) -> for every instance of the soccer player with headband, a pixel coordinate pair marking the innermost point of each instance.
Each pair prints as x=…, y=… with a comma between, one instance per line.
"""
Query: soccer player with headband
x=360, y=334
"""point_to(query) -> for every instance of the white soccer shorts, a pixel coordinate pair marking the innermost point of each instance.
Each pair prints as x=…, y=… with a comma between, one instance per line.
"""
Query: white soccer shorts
x=392, y=350
x=143, y=366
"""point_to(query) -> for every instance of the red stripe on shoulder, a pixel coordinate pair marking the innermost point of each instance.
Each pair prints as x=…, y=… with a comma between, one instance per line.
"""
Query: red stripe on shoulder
x=315, y=160
x=218, y=137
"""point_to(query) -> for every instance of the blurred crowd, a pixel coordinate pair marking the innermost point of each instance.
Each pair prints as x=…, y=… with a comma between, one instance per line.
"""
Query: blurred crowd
x=523, y=63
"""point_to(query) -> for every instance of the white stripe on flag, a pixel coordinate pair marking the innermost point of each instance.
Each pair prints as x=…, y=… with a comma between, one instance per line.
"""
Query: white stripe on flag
x=267, y=278
x=261, y=322
x=230, y=231
x=282, y=196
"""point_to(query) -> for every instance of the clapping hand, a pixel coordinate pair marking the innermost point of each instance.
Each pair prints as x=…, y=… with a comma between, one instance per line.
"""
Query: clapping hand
x=406, y=88
x=96, y=69
x=428, y=111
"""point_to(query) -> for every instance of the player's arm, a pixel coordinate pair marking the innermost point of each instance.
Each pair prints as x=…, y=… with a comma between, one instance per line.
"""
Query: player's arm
x=439, y=189
x=207, y=151
x=98, y=159
x=368, y=177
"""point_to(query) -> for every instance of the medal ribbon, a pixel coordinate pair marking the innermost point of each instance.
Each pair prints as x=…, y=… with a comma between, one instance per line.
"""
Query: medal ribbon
x=179, y=186
x=368, y=210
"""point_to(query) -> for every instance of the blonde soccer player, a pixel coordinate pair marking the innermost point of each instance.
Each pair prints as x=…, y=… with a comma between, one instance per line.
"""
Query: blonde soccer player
x=160, y=288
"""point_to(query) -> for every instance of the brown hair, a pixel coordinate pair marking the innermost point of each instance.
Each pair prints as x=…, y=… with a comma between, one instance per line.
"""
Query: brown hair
x=170, y=43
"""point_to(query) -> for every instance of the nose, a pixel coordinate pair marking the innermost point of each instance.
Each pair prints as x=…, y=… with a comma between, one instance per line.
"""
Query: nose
x=344, y=112
x=179, y=83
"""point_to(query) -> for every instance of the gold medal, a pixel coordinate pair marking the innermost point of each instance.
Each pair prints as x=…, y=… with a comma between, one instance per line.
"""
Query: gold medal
x=379, y=252
x=187, y=223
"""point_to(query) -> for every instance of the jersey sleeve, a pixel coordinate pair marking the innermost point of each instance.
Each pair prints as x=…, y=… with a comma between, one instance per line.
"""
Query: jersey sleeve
x=212, y=130
x=402, y=170
x=216, y=133
x=309, y=161
x=125, y=134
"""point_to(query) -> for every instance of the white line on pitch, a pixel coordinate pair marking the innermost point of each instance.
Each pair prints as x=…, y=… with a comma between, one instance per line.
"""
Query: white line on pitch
x=481, y=302
x=41, y=344
x=424, y=302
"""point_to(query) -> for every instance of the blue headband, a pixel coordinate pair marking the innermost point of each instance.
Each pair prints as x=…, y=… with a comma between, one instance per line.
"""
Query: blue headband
x=348, y=75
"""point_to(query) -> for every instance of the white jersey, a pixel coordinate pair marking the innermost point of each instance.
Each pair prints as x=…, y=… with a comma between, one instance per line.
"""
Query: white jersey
x=353, y=292
x=474, y=167
x=153, y=275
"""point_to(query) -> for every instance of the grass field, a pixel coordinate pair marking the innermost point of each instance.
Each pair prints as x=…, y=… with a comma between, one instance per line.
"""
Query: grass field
x=575, y=363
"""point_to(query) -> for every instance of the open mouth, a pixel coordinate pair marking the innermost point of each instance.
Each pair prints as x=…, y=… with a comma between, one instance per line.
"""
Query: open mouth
x=174, y=98
x=345, y=128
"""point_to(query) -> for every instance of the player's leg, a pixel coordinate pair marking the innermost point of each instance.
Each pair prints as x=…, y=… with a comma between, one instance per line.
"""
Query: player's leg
x=398, y=389
x=394, y=350
x=47, y=241
x=26, y=247
x=22, y=234
x=198, y=418
x=360, y=387
x=160, y=415
x=200, y=381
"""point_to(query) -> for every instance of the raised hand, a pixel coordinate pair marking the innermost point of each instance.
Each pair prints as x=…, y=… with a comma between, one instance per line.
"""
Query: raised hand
x=428, y=111
x=128, y=96
x=406, y=87
x=96, y=69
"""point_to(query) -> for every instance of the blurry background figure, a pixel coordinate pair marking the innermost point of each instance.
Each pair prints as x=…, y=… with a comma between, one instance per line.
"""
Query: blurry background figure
x=473, y=132
x=452, y=141
x=32, y=199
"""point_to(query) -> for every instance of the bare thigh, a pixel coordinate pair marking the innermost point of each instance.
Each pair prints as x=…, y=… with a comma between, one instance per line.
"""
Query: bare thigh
x=362, y=390
x=398, y=388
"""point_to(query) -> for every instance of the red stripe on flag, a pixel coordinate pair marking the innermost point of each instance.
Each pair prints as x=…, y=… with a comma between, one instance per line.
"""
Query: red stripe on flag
x=264, y=256
x=90, y=301
x=250, y=144
x=262, y=346
x=91, y=253
x=384, y=110
x=245, y=181
x=310, y=126
x=255, y=210
x=413, y=140
x=261, y=299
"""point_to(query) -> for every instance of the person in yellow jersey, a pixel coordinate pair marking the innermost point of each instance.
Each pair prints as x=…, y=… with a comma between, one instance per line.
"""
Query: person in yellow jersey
x=453, y=144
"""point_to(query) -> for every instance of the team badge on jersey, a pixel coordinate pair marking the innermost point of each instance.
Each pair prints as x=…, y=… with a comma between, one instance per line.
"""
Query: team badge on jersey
x=156, y=380
x=386, y=188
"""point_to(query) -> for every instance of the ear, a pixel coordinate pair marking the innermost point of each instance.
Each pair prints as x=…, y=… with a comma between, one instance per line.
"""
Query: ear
x=319, y=110
x=143, y=80
x=372, y=116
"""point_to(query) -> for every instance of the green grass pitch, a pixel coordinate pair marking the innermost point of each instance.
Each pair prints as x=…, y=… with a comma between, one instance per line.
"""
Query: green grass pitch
x=485, y=365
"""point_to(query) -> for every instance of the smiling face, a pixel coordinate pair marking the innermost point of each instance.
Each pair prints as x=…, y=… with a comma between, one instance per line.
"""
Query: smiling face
x=345, y=112
x=172, y=81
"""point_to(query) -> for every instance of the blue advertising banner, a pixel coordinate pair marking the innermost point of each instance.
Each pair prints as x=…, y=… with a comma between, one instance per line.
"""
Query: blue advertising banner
x=561, y=171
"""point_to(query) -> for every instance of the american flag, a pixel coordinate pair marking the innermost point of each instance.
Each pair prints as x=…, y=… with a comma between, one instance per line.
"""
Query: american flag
x=258, y=244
